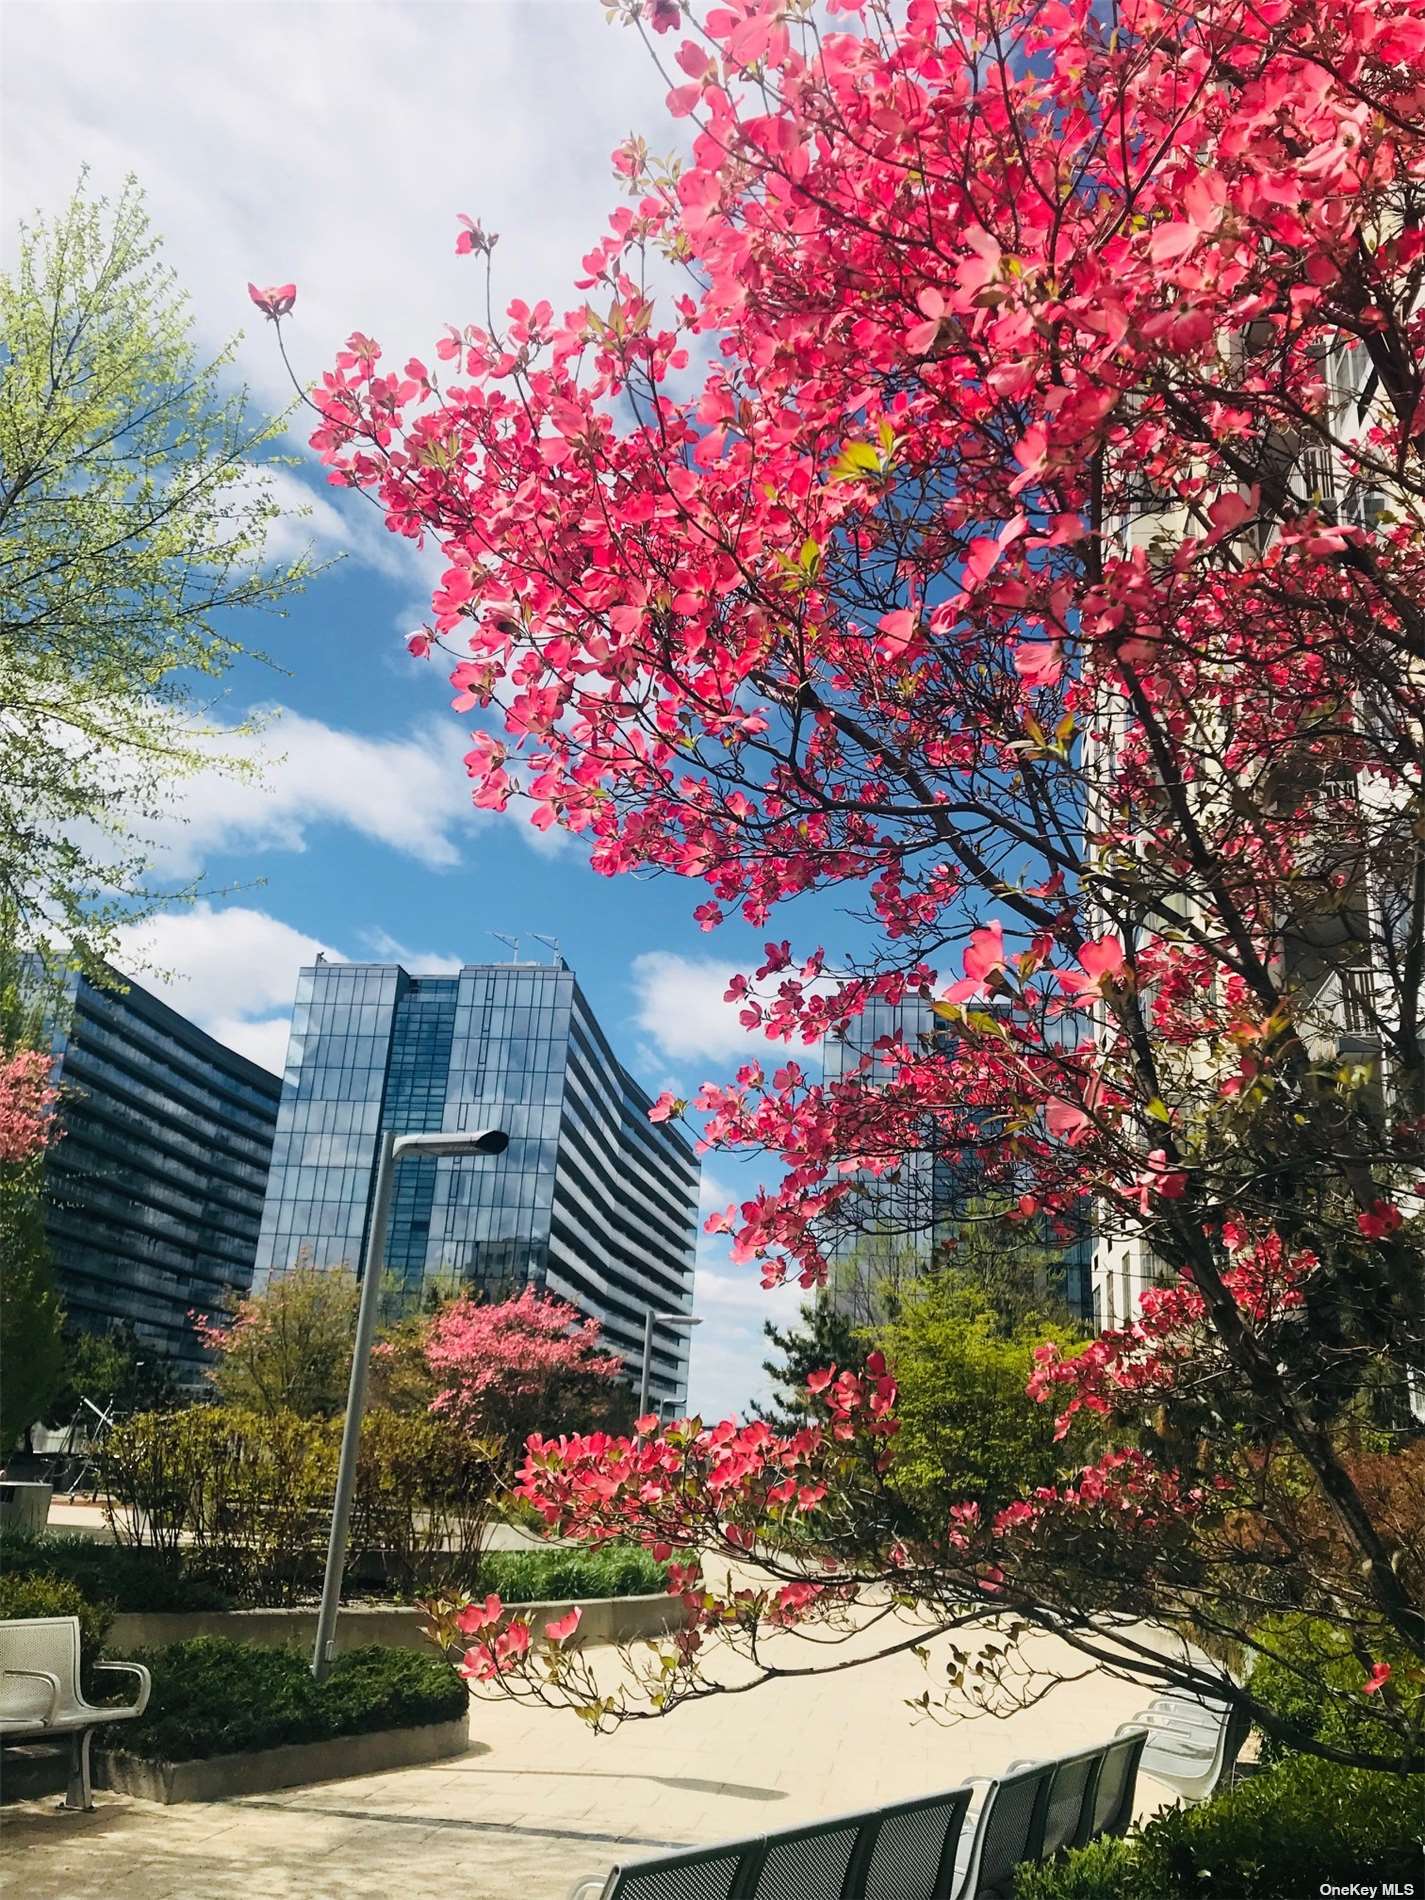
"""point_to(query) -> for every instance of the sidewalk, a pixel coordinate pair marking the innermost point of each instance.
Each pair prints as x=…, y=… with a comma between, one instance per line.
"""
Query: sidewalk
x=539, y=1801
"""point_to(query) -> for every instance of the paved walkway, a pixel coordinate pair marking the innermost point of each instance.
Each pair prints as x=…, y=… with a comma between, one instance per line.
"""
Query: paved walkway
x=538, y=1800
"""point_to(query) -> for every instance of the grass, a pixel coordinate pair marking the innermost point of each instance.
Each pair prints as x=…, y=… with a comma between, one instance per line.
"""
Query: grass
x=121, y=1578
x=540, y=1576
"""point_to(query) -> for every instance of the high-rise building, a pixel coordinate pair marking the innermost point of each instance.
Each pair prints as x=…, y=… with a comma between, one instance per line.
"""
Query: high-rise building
x=893, y=1228
x=154, y=1192
x=1327, y=961
x=591, y=1201
x=892, y=1223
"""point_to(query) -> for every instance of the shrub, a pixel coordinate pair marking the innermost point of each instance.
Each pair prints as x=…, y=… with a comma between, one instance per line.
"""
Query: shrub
x=375, y=1688
x=424, y=1494
x=542, y=1576
x=251, y=1492
x=1279, y=1836
x=1308, y=1673
x=968, y=1430
x=213, y=1696
x=26, y=1596
x=112, y=1574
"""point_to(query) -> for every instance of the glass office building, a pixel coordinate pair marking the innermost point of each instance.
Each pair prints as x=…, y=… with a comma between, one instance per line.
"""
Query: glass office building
x=889, y=1228
x=591, y=1201
x=153, y=1196
x=892, y=1230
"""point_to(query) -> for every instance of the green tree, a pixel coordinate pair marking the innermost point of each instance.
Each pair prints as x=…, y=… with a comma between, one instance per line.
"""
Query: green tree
x=968, y=1430
x=134, y=511
x=823, y=1336
x=288, y=1348
x=1016, y=1268
x=31, y=1314
x=112, y=1368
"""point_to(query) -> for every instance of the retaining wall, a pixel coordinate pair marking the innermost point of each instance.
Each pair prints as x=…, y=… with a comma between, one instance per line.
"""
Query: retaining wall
x=604, y=1620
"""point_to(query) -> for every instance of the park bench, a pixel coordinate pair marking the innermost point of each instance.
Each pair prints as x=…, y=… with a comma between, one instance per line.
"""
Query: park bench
x=1192, y=1743
x=40, y=1696
x=961, y=1845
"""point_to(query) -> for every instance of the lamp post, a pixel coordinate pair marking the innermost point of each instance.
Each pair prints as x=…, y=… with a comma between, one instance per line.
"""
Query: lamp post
x=650, y=1319
x=393, y=1149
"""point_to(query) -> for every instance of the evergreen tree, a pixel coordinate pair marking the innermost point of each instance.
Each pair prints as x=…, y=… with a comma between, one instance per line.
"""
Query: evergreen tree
x=822, y=1337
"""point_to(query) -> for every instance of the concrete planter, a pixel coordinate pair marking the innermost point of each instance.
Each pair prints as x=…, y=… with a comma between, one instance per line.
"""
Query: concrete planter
x=604, y=1620
x=263, y=1769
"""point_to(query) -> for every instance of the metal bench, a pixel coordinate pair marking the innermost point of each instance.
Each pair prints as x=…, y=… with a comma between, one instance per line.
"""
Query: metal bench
x=961, y=1845
x=1192, y=1744
x=40, y=1696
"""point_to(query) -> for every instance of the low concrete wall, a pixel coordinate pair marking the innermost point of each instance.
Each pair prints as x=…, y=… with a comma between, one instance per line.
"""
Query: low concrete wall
x=264, y=1769
x=604, y=1620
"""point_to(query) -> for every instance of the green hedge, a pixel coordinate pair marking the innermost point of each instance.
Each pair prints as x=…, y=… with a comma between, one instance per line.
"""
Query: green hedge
x=114, y=1574
x=1278, y=1836
x=541, y=1576
x=23, y=1596
x=213, y=1696
x=1308, y=1673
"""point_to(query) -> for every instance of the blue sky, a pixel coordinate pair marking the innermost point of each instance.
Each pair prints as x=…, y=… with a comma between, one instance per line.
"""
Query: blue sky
x=334, y=144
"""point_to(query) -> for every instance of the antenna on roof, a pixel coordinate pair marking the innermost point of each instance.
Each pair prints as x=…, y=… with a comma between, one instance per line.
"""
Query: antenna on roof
x=513, y=942
x=552, y=942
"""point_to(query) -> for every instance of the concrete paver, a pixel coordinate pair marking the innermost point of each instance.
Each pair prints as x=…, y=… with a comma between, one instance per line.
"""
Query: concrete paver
x=539, y=1801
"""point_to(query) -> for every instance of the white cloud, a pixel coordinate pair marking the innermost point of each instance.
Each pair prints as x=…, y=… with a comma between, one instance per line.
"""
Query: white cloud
x=680, y=1006
x=263, y=1042
x=714, y=1193
x=230, y=969
x=335, y=145
x=410, y=792
x=233, y=970
x=387, y=949
x=338, y=522
x=725, y=1376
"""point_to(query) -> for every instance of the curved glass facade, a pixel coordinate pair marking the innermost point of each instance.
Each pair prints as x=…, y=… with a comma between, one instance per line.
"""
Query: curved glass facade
x=590, y=1201
x=154, y=1195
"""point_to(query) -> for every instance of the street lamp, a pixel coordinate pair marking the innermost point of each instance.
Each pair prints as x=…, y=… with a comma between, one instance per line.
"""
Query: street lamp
x=393, y=1149
x=650, y=1319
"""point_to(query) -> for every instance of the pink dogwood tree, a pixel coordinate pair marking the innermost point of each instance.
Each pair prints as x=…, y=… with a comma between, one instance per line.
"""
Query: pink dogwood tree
x=511, y=1367
x=27, y=1125
x=981, y=474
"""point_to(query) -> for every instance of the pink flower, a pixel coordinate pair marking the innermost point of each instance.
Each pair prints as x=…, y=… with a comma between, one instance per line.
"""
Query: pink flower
x=896, y=631
x=418, y=645
x=473, y=238
x=563, y=1627
x=1380, y=1219
x=275, y=300
x=26, y=1099
x=1039, y=662
x=1158, y=1178
x=1377, y=1679
x=477, y=1616
x=922, y=338
x=512, y=1644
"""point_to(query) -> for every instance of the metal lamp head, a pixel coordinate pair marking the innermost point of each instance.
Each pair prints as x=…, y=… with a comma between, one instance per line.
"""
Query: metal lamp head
x=474, y=1141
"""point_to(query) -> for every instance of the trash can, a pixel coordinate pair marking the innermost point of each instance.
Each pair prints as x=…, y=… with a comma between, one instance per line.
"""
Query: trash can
x=24, y=1508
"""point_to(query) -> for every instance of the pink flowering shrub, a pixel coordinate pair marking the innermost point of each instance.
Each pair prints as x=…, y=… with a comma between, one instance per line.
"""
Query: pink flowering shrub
x=26, y=1100
x=511, y=1367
